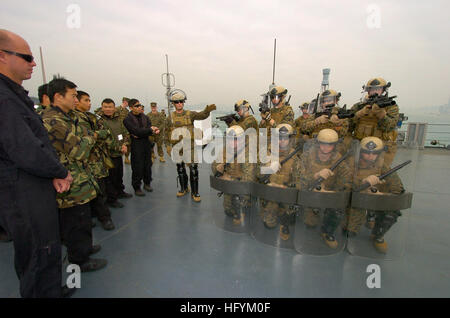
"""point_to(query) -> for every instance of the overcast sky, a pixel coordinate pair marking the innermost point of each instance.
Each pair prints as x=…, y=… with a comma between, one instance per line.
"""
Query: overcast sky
x=222, y=51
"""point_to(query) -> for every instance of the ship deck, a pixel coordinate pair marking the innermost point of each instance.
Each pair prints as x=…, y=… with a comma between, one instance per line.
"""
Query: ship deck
x=165, y=246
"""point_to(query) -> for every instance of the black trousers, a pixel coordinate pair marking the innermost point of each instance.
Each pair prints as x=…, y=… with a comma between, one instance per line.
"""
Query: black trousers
x=114, y=181
x=141, y=162
x=29, y=214
x=99, y=209
x=76, y=232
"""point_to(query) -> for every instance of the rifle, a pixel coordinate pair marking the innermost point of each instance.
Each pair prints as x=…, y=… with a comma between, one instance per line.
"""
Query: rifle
x=342, y=113
x=264, y=105
x=219, y=174
x=265, y=179
x=316, y=183
x=228, y=119
x=365, y=185
x=381, y=101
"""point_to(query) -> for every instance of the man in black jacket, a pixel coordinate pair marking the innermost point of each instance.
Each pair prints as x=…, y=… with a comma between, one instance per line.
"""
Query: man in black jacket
x=140, y=128
x=30, y=172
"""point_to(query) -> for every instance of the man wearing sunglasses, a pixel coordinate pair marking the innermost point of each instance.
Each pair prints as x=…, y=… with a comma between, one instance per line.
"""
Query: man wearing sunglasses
x=30, y=175
x=140, y=128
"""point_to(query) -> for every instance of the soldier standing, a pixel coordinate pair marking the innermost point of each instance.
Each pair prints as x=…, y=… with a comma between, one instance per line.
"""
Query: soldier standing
x=157, y=119
x=280, y=113
x=73, y=148
x=371, y=120
x=371, y=165
x=315, y=163
x=185, y=118
x=328, y=100
x=99, y=160
x=123, y=111
x=44, y=100
x=114, y=182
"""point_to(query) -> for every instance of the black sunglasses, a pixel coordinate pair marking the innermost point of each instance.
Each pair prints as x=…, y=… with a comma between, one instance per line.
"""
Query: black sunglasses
x=138, y=105
x=26, y=57
x=179, y=102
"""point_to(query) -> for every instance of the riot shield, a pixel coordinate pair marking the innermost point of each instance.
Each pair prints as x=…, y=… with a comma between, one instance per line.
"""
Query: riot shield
x=322, y=202
x=378, y=219
x=232, y=204
x=273, y=216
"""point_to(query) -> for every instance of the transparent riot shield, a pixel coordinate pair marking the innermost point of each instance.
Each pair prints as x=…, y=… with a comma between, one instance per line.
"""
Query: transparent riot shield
x=232, y=204
x=322, y=202
x=378, y=219
x=273, y=216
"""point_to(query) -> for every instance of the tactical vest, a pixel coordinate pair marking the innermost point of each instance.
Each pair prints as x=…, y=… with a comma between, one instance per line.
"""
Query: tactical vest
x=181, y=120
x=368, y=126
x=277, y=114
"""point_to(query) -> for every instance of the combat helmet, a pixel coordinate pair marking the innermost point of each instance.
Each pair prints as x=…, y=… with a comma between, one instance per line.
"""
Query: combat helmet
x=327, y=136
x=284, y=130
x=377, y=82
x=235, y=131
x=329, y=95
x=240, y=104
x=372, y=145
x=177, y=96
x=304, y=106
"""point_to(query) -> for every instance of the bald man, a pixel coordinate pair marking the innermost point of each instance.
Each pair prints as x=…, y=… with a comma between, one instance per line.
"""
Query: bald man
x=30, y=175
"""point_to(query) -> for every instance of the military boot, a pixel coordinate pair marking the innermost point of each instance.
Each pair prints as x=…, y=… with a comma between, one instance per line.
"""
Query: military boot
x=284, y=232
x=380, y=245
x=194, y=183
x=330, y=240
x=182, y=179
x=161, y=159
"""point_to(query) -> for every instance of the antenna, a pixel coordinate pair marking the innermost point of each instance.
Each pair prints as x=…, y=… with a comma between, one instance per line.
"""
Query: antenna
x=325, y=80
x=168, y=84
x=274, y=56
x=42, y=66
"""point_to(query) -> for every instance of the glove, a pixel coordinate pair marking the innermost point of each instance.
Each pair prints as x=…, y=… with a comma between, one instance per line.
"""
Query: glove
x=363, y=111
x=321, y=120
x=274, y=166
x=373, y=180
x=324, y=173
x=379, y=112
x=211, y=107
x=220, y=167
x=335, y=120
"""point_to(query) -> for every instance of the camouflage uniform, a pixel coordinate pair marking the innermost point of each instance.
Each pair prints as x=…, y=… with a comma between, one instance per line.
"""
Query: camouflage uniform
x=385, y=129
x=309, y=126
x=186, y=119
x=281, y=115
x=158, y=120
x=73, y=148
x=244, y=172
x=41, y=109
x=122, y=112
x=270, y=211
x=246, y=122
x=393, y=185
x=309, y=165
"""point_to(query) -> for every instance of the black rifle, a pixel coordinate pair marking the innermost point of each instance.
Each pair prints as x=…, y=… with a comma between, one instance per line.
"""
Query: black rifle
x=341, y=114
x=218, y=173
x=228, y=119
x=265, y=179
x=264, y=105
x=381, y=101
x=316, y=183
x=365, y=185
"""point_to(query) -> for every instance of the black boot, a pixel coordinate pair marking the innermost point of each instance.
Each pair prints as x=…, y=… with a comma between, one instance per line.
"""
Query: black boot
x=182, y=179
x=193, y=171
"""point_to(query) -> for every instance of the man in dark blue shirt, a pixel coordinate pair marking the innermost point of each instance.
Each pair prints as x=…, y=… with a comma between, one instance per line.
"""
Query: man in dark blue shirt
x=30, y=175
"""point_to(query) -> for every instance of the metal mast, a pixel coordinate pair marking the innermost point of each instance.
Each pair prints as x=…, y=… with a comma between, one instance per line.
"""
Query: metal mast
x=168, y=84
